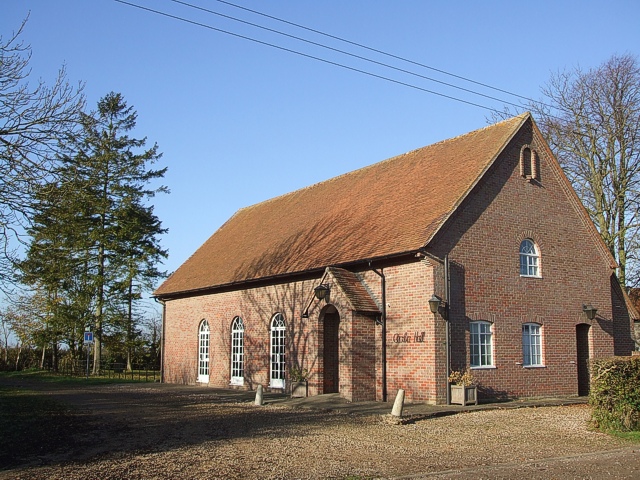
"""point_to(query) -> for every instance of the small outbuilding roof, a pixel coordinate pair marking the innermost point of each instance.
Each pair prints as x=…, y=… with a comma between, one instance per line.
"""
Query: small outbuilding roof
x=351, y=286
x=389, y=208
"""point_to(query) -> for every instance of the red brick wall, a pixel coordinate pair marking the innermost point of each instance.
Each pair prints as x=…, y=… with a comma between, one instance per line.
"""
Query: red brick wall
x=256, y=307
x=415, y=361
x=415, y=344
x=483, y=242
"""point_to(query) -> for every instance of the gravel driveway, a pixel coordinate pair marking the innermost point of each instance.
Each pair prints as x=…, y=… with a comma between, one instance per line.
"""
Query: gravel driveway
x=136, y=431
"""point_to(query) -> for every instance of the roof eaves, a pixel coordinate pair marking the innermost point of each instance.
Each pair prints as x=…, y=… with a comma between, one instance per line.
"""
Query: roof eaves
x=233, y=285
x=303, y=273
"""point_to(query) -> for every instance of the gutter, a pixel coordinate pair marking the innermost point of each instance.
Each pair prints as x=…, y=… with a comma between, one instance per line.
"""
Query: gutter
x=283, y=276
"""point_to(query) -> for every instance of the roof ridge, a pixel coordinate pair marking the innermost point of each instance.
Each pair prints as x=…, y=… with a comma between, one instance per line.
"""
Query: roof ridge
x=473, y=132
x=378, y=163
x=325, y=223
x=523, y=117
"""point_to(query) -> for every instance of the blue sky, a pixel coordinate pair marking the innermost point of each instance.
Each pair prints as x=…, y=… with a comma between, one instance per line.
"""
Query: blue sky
x=239, y=122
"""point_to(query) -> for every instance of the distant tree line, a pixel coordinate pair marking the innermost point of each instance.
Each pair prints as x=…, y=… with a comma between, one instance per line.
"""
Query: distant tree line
x=75, y=193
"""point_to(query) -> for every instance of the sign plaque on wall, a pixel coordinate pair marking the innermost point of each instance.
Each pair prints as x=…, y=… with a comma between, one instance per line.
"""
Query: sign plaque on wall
x=408, y=337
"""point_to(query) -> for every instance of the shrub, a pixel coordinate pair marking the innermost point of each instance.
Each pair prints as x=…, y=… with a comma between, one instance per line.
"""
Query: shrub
x=615, y=393
x=299, y=374
x=458, y=377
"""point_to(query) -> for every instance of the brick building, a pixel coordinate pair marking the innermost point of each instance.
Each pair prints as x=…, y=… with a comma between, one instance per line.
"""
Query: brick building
x=486, y=223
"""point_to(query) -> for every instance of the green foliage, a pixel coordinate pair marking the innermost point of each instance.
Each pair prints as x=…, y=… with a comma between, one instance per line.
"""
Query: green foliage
x=94, y=237
x=615, y=393
x=631, y=436
x=73, y=380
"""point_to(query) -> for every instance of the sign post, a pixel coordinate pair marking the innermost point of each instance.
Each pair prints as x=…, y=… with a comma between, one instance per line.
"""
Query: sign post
x=88, y=341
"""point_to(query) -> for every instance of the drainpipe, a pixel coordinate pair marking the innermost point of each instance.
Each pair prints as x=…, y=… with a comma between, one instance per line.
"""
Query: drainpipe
x=164, y=313
x=447, y=296
x=445, y=314
x=384, y=331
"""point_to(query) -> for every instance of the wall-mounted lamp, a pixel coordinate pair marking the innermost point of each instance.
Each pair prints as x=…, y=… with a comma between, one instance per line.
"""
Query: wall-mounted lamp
x=589, y=311
x=437, y=305
x=322, y=291
x=434, y=303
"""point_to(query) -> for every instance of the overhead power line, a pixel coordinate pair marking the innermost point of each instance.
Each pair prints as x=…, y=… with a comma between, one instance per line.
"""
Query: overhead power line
x=382, y=52
x=386, y=65
x=313, y=57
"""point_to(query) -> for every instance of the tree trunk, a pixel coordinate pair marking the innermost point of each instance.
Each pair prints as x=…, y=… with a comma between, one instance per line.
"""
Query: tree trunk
x=19, y=349
x=44, y=353
x=130, y=326
x=97, y=337
x=54, y=356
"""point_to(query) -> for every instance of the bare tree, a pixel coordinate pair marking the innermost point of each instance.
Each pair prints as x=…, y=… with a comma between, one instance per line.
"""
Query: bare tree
x=591, y=120
x=34, y=120
x=5, y=333
x=152, y=325
x=24, y=319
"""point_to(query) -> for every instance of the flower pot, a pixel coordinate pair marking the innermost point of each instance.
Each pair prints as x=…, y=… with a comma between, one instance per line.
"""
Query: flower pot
x=299, y=389
x=464, y=395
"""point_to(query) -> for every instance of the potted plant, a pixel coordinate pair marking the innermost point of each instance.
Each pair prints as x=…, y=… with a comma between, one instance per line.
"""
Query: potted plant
x=463, y=388
x=299, y=381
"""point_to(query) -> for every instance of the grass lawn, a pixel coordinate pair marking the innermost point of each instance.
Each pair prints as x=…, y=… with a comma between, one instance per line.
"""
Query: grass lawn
x=33, y=423
x=633, y=436
x=30, y=423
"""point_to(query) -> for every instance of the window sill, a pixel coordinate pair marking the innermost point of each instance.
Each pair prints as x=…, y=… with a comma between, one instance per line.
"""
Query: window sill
x=534, y=366
x=483, y=367
x=237, y=383
x=530, y=276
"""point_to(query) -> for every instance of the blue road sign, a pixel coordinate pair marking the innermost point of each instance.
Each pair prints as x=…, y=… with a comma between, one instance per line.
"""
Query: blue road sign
x=88, y=337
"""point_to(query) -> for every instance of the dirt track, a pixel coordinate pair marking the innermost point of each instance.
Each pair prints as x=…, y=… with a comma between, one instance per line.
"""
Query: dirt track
x=160, y=431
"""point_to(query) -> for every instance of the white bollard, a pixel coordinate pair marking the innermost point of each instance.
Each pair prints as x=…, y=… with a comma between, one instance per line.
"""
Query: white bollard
x=398, y=404
x=259, y=395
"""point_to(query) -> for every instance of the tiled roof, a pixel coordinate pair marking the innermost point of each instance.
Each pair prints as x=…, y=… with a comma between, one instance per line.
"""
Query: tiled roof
x=388, y=208
x=354, y=290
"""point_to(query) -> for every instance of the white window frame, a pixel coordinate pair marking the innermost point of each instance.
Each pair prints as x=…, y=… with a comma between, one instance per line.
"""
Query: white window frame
x=204, y=346
x=237, y=351
x=532, y=345
x=481, y=344
x=278, y=351
x=529, y=259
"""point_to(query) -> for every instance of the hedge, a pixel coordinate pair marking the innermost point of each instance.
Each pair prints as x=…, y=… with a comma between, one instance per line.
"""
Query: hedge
x=615, y=393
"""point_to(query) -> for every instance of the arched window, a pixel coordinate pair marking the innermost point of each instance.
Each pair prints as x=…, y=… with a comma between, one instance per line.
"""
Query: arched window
x=529, y=163
x=237, y=352
x=526, y=162
x=278, y=346
x=529, y=259
x=203, y=352
x=531, y=345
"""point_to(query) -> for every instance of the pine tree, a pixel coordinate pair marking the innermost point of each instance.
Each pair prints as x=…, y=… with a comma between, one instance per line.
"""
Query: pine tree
x=96, y=209
x=56, y=265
